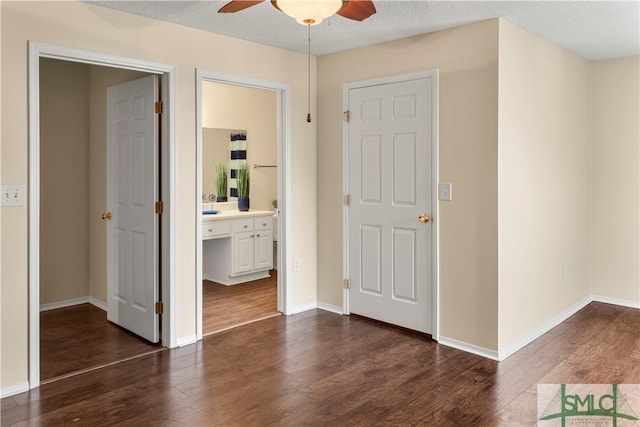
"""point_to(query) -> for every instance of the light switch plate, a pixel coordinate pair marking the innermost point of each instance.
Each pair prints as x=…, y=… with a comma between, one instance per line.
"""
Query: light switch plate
x=12, y=195
x=444, y=191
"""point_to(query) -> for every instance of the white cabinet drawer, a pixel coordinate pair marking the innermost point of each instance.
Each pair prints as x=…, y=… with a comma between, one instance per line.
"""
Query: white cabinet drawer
x=264, y=223
x=214, y=229
x=243, y=225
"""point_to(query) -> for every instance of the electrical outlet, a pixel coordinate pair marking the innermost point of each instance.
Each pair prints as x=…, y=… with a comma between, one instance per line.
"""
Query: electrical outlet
x=12, y=195
x=296, y=264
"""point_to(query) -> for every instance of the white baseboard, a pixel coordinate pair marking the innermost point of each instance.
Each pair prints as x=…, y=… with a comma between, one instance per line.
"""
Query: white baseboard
x=188, y=340
x=469, y=348
x=98, y=303
x=330, y=308
x=14, y=389
x=304, y=307
x=616, y=301
x=63, y=304
x=313, y=306
x=74, y=301
x=543, y=328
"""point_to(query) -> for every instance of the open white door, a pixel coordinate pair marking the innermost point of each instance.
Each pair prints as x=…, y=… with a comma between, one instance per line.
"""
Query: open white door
x=390, y=232
x=132, y=190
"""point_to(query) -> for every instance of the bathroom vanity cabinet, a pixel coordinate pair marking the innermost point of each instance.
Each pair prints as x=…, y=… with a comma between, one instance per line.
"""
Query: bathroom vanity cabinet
x=237, y=246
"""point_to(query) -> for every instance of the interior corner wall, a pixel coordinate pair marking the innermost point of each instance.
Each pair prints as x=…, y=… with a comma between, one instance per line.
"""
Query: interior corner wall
x=100, y=78
x=467, y=60
x=545, y=179
x=616, y=180
x=255, y=110
x=64, y=183
x=92, y=28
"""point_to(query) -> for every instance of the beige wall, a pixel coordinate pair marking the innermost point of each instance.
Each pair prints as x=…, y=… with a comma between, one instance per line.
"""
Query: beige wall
x=84, y=26
x=64, y=180
x=545, y=206
x=253, y=110
x=467, y=59
x=616, y=179
x=100, y=78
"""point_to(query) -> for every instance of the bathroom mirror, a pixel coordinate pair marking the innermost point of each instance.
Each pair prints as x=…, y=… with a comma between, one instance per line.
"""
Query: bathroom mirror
x=222, y=146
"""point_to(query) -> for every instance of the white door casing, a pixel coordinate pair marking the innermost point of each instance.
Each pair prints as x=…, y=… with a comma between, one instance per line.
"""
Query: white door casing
x=132, y=190
x=283, y=90
x=390, y=162
x=168, y=170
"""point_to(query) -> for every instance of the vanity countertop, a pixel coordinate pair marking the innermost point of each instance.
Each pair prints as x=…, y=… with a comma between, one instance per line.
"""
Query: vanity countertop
x=233, y=214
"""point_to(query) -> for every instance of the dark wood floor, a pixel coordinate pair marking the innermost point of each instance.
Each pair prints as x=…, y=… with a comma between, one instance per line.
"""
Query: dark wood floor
x=78, y=338
x=319, y=368
x=226, y=307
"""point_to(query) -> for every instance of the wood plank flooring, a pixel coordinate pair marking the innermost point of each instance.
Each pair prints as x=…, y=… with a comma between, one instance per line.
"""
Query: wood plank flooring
x=226, y=307
x=78, y=338
x=322, y=369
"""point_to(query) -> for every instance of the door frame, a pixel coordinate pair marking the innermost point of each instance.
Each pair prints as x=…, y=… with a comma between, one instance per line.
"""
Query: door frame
x=433, y=75
x=167, y=170
x=283, y=138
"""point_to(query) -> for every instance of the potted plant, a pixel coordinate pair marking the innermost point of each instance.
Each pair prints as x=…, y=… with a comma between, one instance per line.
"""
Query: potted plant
x=242, y=180
x=274, y=203
x=221, y=182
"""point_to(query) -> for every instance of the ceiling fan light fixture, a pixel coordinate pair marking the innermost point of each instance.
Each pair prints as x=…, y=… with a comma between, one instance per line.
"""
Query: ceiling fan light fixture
x=309, y=12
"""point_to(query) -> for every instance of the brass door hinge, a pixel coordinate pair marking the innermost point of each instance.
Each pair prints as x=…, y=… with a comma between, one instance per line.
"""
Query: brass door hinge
x=159, y=207
x=159, y=107
x=159, y=307
x=347, y=200
x=347, y=116
x=347, y=283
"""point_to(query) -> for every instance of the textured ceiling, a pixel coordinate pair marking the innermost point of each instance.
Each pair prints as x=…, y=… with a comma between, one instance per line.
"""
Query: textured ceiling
x=594, y=30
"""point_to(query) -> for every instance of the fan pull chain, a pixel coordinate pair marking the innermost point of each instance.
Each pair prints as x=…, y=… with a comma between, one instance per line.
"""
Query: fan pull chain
x=309, y=76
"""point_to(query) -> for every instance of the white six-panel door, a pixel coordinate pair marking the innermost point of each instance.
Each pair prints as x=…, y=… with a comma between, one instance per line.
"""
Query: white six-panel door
x=132, y=190
x=389, y=172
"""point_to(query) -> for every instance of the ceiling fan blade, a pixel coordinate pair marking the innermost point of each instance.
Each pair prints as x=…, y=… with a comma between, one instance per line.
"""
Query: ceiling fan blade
x=238, y=5
x=358, y=10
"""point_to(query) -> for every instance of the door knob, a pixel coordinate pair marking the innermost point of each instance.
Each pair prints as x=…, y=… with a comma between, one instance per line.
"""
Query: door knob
x=424, y=218
x=106, y=215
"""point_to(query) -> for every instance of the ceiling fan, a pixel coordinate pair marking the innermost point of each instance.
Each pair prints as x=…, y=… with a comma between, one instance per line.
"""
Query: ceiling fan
x=310, y=12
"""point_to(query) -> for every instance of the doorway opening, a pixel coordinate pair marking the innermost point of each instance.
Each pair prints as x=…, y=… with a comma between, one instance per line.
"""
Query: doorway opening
x=67, y=256
x=241, y=126
x=74, y=332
